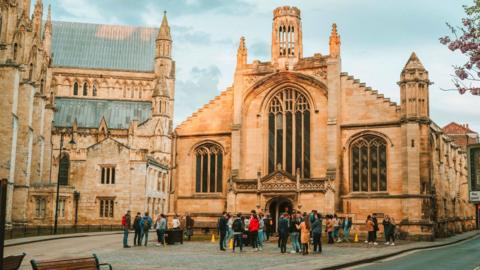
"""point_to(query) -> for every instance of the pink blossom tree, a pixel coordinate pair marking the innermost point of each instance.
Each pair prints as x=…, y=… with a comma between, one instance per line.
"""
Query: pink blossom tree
x=466, y=40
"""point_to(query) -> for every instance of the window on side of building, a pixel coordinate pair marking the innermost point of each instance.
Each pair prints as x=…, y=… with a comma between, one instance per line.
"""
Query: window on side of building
x=61, y=207
x=40, y=204
x=106, y=206
x=107, y=174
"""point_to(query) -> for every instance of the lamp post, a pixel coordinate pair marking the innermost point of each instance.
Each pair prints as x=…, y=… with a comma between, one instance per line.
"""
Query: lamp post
x=58, y=179
x=76, y=197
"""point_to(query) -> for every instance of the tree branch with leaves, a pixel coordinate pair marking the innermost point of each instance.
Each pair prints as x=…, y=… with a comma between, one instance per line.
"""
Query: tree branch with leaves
x=466, y=40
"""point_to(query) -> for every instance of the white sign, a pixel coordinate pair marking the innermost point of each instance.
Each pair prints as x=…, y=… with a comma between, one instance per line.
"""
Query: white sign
x=475, y=196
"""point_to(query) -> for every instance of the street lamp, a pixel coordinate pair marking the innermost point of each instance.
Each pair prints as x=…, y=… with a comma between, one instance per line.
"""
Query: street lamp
x=72, y=142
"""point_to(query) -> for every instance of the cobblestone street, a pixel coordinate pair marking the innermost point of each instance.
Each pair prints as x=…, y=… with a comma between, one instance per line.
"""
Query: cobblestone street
x=201, y=255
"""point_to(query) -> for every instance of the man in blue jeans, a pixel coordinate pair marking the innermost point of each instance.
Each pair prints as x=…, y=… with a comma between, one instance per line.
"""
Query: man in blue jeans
x=126, y=223
x=147, y=224
x=295, y=233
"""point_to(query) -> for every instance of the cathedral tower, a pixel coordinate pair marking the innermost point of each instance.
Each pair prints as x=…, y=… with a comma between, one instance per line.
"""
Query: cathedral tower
x=287, y=45
x=162, y=97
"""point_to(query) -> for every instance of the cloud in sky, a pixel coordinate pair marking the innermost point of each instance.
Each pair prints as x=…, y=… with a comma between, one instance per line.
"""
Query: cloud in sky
x=377, y=38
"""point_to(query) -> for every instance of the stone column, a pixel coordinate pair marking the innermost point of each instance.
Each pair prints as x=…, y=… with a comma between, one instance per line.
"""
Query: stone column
x=9, y=80
x=333, y=125
x=24, y=153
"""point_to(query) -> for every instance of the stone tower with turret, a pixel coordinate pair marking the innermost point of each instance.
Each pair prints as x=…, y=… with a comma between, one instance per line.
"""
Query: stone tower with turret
x=287, y=47
x=163, y=93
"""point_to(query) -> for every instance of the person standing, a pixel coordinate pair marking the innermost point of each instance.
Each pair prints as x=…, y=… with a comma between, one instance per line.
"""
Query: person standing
x=137, y=226
x=176, y=224
x=161, y=227
x=147, y=224
x=126, y=224
x=229, y=234
x=283, y=230
x=189, y=223
x=336, y=227
x=375, y=227
x=329, y=229
x=238, y=229
x=304, y=234
x=347, y=226
x=371, y=231
x=268, y=226
x=222, y=230
x=253, y=228
x=247, y=232
x=295, y=232
x=392, y=231
x=261, y=229
x=317, y=233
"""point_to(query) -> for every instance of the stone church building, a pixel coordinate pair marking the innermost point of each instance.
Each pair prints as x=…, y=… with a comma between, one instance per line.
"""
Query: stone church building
x=94, y=102
x=297, y=132
x=90, y=107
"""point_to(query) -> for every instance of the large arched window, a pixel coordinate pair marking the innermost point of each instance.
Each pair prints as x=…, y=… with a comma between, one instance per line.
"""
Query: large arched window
x=289, y=132
x=368, y=163
x=209, y=168
x=63, y=169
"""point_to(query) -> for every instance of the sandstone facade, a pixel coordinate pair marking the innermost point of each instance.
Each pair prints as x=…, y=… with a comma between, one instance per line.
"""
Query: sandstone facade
x=107, y=94
x=299, y=133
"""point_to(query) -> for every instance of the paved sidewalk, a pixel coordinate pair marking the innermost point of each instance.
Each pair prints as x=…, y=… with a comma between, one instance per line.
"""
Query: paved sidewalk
x=205, y=255
x=34, y=239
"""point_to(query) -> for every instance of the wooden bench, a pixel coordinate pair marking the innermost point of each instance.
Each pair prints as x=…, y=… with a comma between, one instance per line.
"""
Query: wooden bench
x=86, y=263
x=13, y=262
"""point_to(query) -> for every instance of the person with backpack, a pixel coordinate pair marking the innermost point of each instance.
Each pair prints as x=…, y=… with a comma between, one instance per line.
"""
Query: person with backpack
x=147, y=224
x=137, y=226
x=283, y=230
x=126, y=224
x=161, y=227
x=238, y=229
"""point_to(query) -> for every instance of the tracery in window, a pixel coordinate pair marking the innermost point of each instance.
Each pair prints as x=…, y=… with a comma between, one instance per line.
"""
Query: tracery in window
x=368, y=161
x=209, y=168
x=289, y=133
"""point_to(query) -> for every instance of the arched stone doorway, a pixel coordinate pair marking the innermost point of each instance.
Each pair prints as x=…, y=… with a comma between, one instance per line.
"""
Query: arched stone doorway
x=276, y=207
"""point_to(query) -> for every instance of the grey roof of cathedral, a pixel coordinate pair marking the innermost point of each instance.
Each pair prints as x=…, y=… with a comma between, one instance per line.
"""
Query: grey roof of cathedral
x=89, y=112
x=117, y=47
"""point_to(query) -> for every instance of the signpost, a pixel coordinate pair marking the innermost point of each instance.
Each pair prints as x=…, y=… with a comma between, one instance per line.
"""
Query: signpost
x=473, y=152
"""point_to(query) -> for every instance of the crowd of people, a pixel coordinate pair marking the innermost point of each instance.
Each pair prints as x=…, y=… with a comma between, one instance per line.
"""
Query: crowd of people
x=143, y=224
x=304, y=230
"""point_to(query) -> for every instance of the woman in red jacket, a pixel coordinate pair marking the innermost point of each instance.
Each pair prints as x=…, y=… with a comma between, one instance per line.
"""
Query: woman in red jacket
x=253, y=229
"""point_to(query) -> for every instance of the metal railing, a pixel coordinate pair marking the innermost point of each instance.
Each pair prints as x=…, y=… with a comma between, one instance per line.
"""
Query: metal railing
x=19, y=231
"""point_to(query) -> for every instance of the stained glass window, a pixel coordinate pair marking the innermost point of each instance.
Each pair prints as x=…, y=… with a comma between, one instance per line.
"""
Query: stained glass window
x=369, y=164
x=209, y=168
x=289, y=133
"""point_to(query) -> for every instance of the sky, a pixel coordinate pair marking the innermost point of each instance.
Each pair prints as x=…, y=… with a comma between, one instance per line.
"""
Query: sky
x=377, y=38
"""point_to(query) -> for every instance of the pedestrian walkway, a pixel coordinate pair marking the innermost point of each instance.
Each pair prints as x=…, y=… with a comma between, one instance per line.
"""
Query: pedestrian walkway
x=205, y=255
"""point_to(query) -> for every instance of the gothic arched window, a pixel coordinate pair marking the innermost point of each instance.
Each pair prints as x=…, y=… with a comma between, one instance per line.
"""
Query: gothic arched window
x=289, y=132
x=85, y=89
x=208, y=168
x=368, y=161
x=63, y=169
x=75, y=89
x=94, y=90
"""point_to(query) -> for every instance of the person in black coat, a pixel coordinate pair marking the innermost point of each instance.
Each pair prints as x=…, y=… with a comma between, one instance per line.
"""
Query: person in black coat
x=222, y=229
x=375, y=228
x=283, y=230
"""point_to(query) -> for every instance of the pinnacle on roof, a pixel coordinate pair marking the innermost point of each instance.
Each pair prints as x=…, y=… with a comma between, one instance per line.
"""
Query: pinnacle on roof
x=164, y=32
x=48, y=23
x=413, y=62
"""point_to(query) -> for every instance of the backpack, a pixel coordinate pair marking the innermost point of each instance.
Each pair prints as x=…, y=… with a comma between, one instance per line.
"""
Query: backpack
x=146, y=224
x=237, y=225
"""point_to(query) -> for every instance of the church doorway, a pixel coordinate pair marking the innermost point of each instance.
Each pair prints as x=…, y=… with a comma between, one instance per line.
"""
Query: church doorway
x=278, y=206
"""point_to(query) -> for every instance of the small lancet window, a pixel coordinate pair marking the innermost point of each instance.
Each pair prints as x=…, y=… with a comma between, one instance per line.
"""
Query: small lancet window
x=85, y=89
x=75, y=89
x=94, y=90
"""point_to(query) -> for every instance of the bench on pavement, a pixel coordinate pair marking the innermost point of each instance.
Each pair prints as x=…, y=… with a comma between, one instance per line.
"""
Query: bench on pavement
x=13, y=262
x=85, y=263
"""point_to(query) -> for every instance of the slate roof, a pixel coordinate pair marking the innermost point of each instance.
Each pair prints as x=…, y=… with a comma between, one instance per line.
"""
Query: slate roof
x=88, y=112
x=118, y=47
